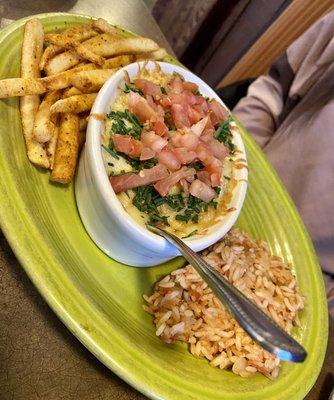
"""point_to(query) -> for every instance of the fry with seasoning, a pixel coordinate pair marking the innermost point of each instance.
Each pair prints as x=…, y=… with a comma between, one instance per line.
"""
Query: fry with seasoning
x=58, y=85
x=67, y=149
x=32, y=48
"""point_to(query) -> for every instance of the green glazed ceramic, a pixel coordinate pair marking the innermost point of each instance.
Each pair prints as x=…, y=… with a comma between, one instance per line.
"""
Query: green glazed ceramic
x=100, y=300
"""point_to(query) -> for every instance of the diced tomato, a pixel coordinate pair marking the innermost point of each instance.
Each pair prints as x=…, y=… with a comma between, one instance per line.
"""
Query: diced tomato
x=180, y=115
x=191, y=98
x=204, y=176
x=203, y=152
x=194, y=115
x=190, y=86
x=199, y=127
x=215, y=179
x=183, y=98
x=164, y=185
x=202, y=191
x=153, y=141
x=146, y=153
x=184, y=155
x=160, y=111
x=189, y=141
x=212, y=165
x=176, y=139
x=165, y=101
x=151, y=102
x=148, y=87
x=218, y=149
x=176, y=85
x=159, y=127
x=140, y=107
x=218, y=112
x=178, y=98
x=121, y=183
x=201, y=101
x=202, y=108
x=168, y=158
x=127, y=144
x=207, y=135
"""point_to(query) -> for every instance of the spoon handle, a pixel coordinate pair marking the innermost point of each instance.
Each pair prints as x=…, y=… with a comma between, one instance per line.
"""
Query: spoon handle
x=251, y=318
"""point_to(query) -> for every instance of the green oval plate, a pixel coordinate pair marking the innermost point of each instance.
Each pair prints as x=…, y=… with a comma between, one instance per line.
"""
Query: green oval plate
x=101, y=301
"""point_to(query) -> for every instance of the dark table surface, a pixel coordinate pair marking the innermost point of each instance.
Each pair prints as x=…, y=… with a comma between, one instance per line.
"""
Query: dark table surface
x=39, y=357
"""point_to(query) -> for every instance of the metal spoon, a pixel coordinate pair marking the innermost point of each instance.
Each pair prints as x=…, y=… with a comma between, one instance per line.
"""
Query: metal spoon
x=251, y=318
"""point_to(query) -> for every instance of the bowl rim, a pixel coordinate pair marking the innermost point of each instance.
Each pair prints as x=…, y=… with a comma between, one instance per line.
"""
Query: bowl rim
x=105, y=191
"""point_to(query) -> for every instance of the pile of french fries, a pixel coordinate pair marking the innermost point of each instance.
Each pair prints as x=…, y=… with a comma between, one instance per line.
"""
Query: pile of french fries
x=61, y=74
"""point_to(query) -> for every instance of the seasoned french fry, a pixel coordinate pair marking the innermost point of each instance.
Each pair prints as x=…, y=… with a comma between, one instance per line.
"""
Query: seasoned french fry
x=67, y=149
x=51, y=51
x=107, y=45
x=103, y=26
x=89, y=55
x=91, y=81
x=62, y=62
x=68, y=59
x=119, y=61
x=63, y=80
x=154, y=56
x=71, y=91
x=12, y=87
x=51, y=146
x=71, y=41
x=75, y=34
x=74, y=104
x=32, y=48
x=77, y=63
x=44, y=125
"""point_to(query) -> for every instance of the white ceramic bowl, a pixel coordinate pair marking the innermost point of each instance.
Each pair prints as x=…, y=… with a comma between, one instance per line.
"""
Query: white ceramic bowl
x=112, y=229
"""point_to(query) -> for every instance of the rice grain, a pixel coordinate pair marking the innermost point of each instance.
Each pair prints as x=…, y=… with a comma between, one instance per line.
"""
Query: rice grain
x=184, y=307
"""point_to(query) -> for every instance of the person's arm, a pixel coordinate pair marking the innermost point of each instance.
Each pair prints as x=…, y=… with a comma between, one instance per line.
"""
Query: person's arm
x=272, y=97
x=260, y=109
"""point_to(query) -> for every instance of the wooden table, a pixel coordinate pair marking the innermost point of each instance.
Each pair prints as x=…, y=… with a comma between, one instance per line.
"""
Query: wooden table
x=39, y=357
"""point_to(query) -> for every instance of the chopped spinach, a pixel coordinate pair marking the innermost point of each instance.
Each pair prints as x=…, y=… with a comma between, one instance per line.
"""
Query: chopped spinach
x=154, y=218
x=224, y=135
x=138, y=165
x=111, y=151
x=133, y=127
x=179, y=75
x=193, y=208
x=175, y=201
x=147, y=200
x=129, y=87
x=144, y=199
